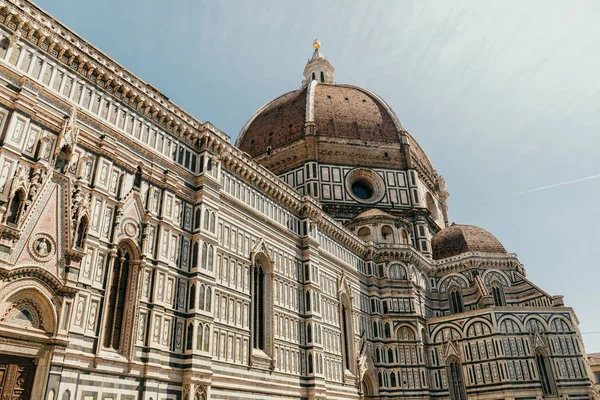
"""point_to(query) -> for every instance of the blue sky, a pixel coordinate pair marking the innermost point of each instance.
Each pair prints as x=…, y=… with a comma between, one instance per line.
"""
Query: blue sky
x=503, y=96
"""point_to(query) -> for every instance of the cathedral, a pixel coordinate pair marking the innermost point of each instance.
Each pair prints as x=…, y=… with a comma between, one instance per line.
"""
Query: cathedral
x=145, y=257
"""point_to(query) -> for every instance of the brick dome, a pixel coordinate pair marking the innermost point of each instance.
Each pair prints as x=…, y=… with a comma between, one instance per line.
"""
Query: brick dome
x=458, y=239
x=329, y=123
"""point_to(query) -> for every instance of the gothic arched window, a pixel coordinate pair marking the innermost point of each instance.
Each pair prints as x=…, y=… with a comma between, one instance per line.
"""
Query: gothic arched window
x=199, y=337
x=207, y=303
x=82, y=230
x=213, y=218
x=195, y=250
x=201, y=293
x=545, y=371
x=456, y=384
x=206, y=337
x=192, y=298
x=322, y=77
x=206, y=219
x=393, y=379
x=16, y=207
x=197, y=218
x=204, y=263
x=259, y=306
x=117, y=293
x=189, y=336
x=498, y=294
x=346, y=320
x=455, y=300
x=210, y=257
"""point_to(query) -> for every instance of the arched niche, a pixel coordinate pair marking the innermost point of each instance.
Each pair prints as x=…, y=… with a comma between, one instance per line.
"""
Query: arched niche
x=364, y=233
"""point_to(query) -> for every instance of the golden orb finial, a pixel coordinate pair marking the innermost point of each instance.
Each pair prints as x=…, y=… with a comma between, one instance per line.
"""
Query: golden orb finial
x=316, y=44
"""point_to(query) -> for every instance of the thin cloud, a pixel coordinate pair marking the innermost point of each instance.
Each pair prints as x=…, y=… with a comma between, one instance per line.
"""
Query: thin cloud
x=587, y=178
x=554, y=185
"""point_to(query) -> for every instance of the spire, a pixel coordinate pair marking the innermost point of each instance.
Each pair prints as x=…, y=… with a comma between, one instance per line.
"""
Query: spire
x=318, y=68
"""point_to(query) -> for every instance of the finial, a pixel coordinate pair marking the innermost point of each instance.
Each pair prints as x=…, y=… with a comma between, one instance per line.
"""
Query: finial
x=316, y=44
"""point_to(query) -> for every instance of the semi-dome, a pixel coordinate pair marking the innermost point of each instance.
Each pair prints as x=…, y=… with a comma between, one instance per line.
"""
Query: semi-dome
x=330, y=123
x=458, y=239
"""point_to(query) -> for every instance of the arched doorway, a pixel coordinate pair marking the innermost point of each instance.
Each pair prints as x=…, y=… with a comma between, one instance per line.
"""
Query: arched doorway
x=368, y=386
x=29, y=310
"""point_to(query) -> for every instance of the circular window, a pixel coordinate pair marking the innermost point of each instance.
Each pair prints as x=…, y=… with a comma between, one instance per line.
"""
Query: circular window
x=362, y=189
x=365, y=185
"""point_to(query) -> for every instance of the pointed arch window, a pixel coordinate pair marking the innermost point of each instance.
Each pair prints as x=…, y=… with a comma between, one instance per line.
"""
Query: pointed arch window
x=189, y=336
x=322, y=77
x=82, y=230
x=455, y=300
x=207, y=303
x=206, y=219
x=192, y=298
x=210, y=257
x=195, y=250
x=456, y=384
x=201, y=294
x=498, y=294
x=544, y=367
x=204, y=263
x=346, y=320
x=117, y=293
x=199, y=338
x=206, y=337
x=393, y=379
x=259, y=306
x=16, y=207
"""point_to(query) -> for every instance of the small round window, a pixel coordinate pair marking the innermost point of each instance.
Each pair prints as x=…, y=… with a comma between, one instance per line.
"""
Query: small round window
x=362, y=189
x=365, y=186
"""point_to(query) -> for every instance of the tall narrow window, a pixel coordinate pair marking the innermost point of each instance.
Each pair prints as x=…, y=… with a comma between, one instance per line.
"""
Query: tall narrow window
x=206, y=337
x=199, y=337
x=82, y=230
x=313, y=76
x=207, y=303
x=204, y=263
x=455, y=301
x=116, y=300
x=192, y=298
x=16, y=207
x=346, y=319
x=201, y=294
x=259, y=306
x=456, y=384
x=498, y=294
x=206, y=219
x=189, y=336
x=195, y=250
x=322, y=77
x=545, y=372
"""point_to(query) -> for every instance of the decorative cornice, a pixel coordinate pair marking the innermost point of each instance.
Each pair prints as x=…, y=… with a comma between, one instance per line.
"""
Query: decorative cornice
x=82, y=58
